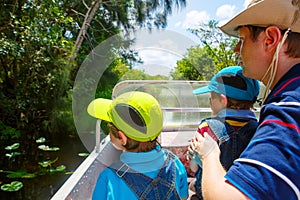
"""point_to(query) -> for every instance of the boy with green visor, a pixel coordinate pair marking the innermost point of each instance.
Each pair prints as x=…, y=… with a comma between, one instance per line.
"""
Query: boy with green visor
x=145, y=170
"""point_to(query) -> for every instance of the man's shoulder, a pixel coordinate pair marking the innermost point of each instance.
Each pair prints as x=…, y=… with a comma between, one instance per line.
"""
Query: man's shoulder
x=288, y=84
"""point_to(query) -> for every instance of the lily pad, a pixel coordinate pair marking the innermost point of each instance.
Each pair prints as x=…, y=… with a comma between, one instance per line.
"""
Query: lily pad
x=13, y=146
x=20, y=174
x=83, y=154
x=47, y=148
x=60, y=168
x=47, y=163
x=12, y=187
x=29, y=175
x=12, y=154
x=41, y=140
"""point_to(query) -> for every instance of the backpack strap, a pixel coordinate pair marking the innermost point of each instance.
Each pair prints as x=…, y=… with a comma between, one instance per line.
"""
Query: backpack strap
x=126, y=173
x=144, y=186
x=250, y=126
x=224, y=130
x=231, y=142
x=220, y=128
x=163, y=185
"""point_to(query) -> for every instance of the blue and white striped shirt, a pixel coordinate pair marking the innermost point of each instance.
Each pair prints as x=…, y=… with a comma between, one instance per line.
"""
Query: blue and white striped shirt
x=269, y=168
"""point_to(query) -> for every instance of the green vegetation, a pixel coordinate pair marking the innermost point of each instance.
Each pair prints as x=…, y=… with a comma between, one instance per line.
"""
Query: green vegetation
x=42, y=46
x=45, y=166
x=197, y=65
x=12, y=187
x=215, y=51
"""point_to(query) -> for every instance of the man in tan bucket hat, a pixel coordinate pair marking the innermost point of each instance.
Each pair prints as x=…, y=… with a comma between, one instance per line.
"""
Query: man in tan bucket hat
x=269, y=49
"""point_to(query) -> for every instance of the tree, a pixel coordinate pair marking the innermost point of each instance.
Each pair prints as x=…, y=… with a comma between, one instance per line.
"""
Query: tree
x=126, y=14
x=118, y=71
x=37, y=45
x=214, y=52
x=219, y=46
x=196, y=65
x=34, y=63
x=101, y=19
x=38, y=41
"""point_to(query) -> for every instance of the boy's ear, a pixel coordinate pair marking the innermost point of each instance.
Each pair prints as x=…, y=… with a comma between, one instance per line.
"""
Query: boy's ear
x=122, y=137
x=224, y=100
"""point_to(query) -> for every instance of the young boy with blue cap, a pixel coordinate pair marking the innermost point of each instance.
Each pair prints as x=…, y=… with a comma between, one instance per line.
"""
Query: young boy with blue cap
x=145, y=170
x=232, y=98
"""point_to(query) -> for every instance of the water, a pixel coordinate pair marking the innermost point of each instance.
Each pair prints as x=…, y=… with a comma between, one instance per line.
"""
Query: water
x=45, y=186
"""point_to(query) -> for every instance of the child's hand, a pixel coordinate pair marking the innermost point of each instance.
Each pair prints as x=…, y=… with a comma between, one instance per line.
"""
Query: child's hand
x=193, y=156
x=203, y=145
x=190, y=154
x=194, y=166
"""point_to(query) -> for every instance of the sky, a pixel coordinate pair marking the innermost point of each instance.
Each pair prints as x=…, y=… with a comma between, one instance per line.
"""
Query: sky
x=164, y=52
x=199, y=11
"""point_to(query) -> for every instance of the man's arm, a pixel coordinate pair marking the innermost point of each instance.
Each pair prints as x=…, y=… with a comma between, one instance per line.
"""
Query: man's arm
x=214, y=185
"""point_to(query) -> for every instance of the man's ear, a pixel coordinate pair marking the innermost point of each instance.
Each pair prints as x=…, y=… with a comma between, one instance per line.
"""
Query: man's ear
x=272, y=37
x=122, y=138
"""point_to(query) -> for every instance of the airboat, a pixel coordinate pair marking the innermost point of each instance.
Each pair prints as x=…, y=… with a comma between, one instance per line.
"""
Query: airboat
x=182, y=113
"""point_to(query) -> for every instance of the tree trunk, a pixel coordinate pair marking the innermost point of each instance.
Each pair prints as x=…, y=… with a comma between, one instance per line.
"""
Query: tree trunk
x=89, y=16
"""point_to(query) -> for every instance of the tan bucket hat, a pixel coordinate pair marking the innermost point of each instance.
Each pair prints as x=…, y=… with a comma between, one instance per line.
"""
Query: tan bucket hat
x=282, y=13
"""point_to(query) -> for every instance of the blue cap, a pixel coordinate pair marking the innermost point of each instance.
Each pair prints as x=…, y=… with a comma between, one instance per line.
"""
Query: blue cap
x=231, y=82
